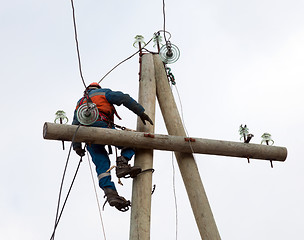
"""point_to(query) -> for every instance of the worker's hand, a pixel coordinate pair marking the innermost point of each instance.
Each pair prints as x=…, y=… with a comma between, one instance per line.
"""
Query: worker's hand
x=80, y=151
x=144, y=117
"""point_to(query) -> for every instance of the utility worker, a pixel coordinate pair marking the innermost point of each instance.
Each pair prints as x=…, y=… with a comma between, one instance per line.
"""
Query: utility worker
x=104, y=99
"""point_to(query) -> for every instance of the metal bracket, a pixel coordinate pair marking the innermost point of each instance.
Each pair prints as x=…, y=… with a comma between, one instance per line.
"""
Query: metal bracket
x=189, y=139
x=149, y=135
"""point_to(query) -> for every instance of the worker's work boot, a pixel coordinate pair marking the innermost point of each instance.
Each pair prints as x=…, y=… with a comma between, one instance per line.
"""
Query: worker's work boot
x=123, y=169
x=116, y=201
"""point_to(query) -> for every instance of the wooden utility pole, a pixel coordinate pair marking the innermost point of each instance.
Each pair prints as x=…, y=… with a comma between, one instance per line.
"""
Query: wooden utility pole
x=142, y=184
x=187, y=165
x=154, y=82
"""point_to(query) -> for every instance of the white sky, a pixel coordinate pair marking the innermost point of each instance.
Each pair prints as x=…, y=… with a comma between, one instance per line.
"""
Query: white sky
x=241, y=63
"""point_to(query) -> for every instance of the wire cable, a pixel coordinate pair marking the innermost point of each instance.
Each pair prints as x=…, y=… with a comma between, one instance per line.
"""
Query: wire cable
x=77, y=44
x=164, y=18
x=98, y=204
x=183, y=120
x=62, y=180
x=190, y=144
x=123, y=62
x=65, y=201
x=175, y=199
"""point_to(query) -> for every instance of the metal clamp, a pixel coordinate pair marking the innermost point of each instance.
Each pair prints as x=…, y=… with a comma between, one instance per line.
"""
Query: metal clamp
x=150, y=135
x=189, y=139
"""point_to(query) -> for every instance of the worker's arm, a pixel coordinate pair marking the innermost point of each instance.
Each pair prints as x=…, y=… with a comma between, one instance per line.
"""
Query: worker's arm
x=118, y=98
x=77, y=145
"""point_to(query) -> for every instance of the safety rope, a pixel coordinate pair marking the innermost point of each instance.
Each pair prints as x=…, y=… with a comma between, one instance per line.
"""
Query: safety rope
x=97, y=200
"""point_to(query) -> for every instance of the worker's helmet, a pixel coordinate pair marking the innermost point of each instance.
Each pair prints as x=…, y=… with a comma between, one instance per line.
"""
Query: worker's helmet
x=93, y=85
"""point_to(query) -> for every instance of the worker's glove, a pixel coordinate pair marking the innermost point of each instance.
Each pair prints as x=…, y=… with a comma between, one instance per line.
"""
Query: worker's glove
x=80, y=151
x=144, y=117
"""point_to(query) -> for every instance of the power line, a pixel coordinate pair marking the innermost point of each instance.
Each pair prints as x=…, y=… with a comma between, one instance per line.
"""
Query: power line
x=123, y=62
x=65, y=201
x=77, y=45
x=61, y=185
x=164, y=18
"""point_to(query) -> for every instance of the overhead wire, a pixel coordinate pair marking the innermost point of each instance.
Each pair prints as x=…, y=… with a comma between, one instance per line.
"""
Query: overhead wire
x=77, y=44
x=123, y=61
x=65, y=201
x=57, y=218
x=164, y=18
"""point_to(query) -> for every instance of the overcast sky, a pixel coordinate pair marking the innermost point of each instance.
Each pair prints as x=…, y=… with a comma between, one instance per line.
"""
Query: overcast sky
x=241, y=63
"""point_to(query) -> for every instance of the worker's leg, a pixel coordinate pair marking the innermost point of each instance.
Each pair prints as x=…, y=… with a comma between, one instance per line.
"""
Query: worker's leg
x=127, y=152
x=102, y=162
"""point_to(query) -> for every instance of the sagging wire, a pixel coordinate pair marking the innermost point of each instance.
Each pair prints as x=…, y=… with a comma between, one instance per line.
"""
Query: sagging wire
x=171, y=79
x=183, y=120
x=124, y=61
x=57, y=218
x=96, y=195
x=65, y=201
x=173, y=83
x=175, y=198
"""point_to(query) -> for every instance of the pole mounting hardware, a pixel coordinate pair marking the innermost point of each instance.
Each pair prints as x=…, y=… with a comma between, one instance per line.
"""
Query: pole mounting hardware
x=266, y=137
x=189, y=139
x=63, y=119
x=150, y=135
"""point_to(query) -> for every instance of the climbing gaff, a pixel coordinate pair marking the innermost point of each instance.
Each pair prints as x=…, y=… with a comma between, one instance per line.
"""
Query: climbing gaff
x=87, y=113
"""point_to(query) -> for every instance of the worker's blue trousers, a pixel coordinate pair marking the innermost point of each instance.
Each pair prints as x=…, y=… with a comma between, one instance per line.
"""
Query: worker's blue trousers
x=101, y=159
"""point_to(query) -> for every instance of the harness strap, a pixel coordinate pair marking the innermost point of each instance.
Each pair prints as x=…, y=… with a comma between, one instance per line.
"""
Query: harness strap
x=102, y=175
x=106, y=118
x=116, y=114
